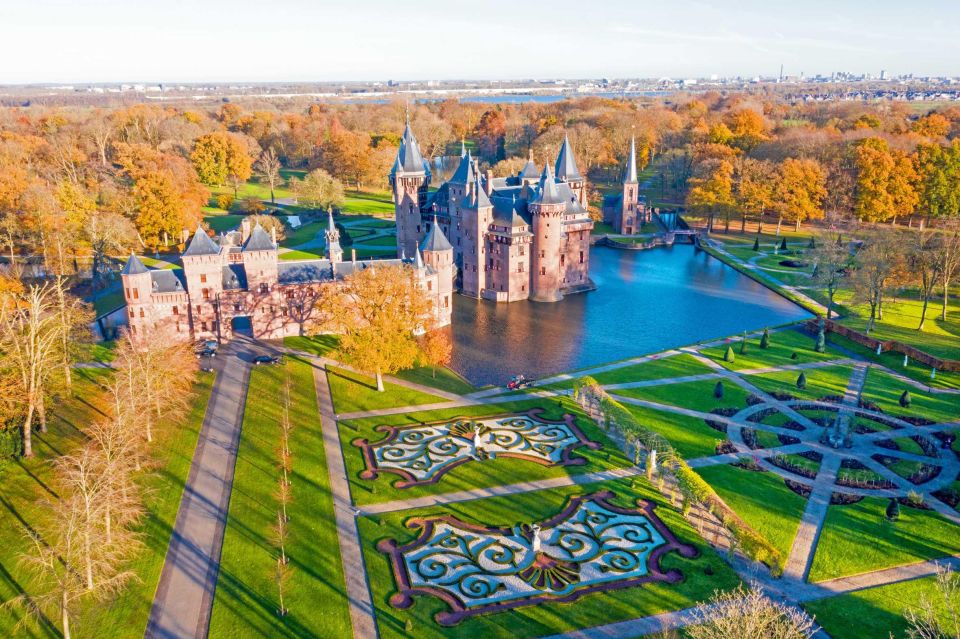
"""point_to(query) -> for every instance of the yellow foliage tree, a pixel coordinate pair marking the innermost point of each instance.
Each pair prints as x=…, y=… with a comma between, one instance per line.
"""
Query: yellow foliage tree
x=220, y=156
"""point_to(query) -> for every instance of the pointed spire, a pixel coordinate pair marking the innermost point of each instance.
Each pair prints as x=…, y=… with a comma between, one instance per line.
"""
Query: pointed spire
x=435, y=240
x=530, y=170
x=464, y=172
x=567, y=164
x=463, y=147
x=631, y=173
x=134, y=266
x=548, y=193
x=418, y=261
x=331, y=227
x=409, y=159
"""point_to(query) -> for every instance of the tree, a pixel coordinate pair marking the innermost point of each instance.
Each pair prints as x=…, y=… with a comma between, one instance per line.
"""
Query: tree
x=711, y=190
x=753, y=188
x=893, y=509
x=765, y=339
x=106, y=233
x=747, y=613
x=347, y=155
x=729, y=355
x=800, y=191
x=923, y=264
x=267, y=167
x=217, y=156
x=947, y=258
x=938, y=169
x=436, y=349
x=378, y=311
x=830, y=260
x=877, y=262
x=718, y=390
x=885, y=185
x=802, y=381
x=318, y=190
x=905, y=399
x=940, y=618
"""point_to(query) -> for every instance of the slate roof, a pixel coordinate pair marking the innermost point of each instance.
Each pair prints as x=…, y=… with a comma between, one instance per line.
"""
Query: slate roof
x=548, y=191
x=168, y=280
x=304, y=271
x=435, y=239
x=478, y=199
x=630, y=175
x=409, y=159
x=259, y=240
x=566, y=168
x=134, y=266
x=530, y=170
x=201, y=244
x=464, y=172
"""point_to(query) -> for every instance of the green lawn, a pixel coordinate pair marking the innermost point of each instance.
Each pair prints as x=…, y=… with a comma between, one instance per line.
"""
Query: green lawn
x=761, y=499
x=253, y=188
x=783, y=344
x=821, y=382
x=445, y=379
x=303, y=233
x=873, y=613
x=368, y=203
x=354, y=392
x=109, y=301
x=316, y=254
x=223, y=223
x=246, y=597
x=674, y=366
x=693, y=395
x=690, y=436
x=857, y=538
x=492, y=472
x=885, y=391
x=894, y=361
x=702, y=575
x=27, y=482
x=316, y=345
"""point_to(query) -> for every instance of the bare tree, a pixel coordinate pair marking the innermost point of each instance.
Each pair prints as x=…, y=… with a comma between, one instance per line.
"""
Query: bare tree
x=830, y=261
x=923, y=263
x=267, y=166
x=948, y=259
x=938, y=619
x=877, y=262
x=747, y=613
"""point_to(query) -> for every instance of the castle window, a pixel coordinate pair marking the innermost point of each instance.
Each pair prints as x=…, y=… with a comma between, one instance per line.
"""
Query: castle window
x=581, y=257
x=520, y=267
x=128, y=294
x=429, y=286
x=203, y=326
x=543, y=254
x=446, y=301
x=206, y=293
x=176, y=310
x=562, y=259
x=141, y=312
x=543, y=270
x=198, y=309
x=203, y=278
x=132, y=314
x=523, y=288
x=264, y=287
x=136, y=294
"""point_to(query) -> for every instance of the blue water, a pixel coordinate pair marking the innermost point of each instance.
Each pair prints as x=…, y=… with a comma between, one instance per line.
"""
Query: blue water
x=646, y=301
x=511, y=98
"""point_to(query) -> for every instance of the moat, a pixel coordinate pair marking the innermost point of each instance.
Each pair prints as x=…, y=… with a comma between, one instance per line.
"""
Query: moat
x=645, y=301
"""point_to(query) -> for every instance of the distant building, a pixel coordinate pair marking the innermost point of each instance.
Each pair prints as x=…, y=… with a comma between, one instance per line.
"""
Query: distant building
x=238, y=283
x=526, y=236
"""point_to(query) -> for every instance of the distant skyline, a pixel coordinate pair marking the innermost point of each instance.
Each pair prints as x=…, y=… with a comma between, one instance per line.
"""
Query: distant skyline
x=64, y=41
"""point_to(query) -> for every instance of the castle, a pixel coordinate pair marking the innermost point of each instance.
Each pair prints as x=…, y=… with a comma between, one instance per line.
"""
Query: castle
x=526, y=236
x=237, y=283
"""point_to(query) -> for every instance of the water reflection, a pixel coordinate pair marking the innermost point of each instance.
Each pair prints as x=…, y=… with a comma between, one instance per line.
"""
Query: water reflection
x=646, y=301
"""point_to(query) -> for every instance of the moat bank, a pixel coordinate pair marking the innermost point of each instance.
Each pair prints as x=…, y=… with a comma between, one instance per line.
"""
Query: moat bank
x=645, y=301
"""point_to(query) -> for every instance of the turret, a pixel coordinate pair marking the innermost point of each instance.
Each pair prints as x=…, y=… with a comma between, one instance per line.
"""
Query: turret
x=137, y=283
x=438, y=255
x=546, y=208
x=567, y=171
x=409, y=179
x=260, y=260
x=203, y=267
x=477, y=211
x=334, y=252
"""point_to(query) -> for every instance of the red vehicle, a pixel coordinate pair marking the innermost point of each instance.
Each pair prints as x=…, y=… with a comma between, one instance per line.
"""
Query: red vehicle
x=519, y=381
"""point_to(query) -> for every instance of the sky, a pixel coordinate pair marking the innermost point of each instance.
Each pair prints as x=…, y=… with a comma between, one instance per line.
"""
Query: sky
x=76, y=41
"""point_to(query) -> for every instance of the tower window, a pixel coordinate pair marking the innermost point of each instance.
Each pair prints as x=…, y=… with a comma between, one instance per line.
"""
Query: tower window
x=203, y=278
x=136, y=294
x=581, y=257
x=543, y=270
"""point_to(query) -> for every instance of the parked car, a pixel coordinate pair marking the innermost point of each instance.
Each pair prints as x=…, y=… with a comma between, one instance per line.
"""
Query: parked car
x=267, y=359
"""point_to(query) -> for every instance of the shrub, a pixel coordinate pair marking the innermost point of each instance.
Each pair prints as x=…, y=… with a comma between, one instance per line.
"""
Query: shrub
x=893, y=510
x=743, y=345
x=756, y=244
x=408, y=626
x=783, y=244
x=821, y=345
x=253, y=206
x=794, y=355
x=813, y=243
x=905, y=399
x=765, y=339
x=224, y=201
x=729, y=356
x=718, y=390
x=802, y=381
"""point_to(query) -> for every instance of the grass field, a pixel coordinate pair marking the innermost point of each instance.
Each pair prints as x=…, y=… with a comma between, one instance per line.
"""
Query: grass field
x=761, y=499
x=702, y=575
x=821, y=382
x=783, y=345
x=355, y=392
x=885, y=391
x=689, y=435
x=27, y=482
x=246, y=599
x=857, y=538
x=661, y=368
x=697, y=396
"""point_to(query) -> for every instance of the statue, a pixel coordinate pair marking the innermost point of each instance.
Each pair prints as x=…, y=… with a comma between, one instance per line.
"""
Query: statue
x=536, y=538
x=477, y=443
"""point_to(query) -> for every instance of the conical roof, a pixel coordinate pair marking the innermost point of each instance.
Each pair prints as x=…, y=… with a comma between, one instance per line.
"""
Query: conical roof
x=435, y=240
x=464, y=172
x=530, y=169
x=409, y=158
x=478, y=199
x=567, y=164
x=630, y=175
x=548, y=192
x=418, y=260
x=259, y=240
x=134, y=266
x=201, y=244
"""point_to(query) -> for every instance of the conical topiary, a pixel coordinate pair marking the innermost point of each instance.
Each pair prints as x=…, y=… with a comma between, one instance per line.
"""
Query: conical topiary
x=905, y=399
x=783, y=244
x=893, y=510
x=718, y=390
x=756, y=244
x=765, y=339
x=729, y=356
x=802, y=381
x=821, y=346
x=743, y=345
x=813, y=243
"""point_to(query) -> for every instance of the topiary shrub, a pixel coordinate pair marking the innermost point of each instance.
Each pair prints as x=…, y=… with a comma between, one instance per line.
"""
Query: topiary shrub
x=729, y=356
x=743, y=345
x=821, y=345
x=794, y=355
x=783, y=244
x=765, y=339
x=905, y=399
x=408, y=626
x=718, y=390
x=756, y=244
x=802, y=381
x=893, y=510
x=813, y=243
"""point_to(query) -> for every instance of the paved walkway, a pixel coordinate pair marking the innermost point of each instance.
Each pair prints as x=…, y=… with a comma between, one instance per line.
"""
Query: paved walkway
x=351, y=554
x=184, y=597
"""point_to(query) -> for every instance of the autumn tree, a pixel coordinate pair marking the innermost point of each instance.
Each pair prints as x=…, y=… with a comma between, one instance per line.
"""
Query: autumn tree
x=938, y=169
x=219, y=155
x=711, y=190
x=347, y=155
x=436, y=349
x=885, y=185
x=801, y=187
x=753, y=185
x=491, y=135
x=318, y=189
x=378, y=311
x=267, y=167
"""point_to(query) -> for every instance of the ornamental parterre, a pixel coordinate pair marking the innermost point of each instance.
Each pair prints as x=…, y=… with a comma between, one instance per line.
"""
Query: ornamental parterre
x=421, y=454
x=590, y=546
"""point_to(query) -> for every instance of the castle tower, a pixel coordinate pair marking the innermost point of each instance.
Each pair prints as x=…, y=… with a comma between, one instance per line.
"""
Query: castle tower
x=567, y=171
x=438, y=255
x=137, y=287
x=409, y=179
x=334, y=252
x=260, y=261
x=629, y=222
x=546, y=208
x=477, y=212
x=530, y=173
x=203, y=270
